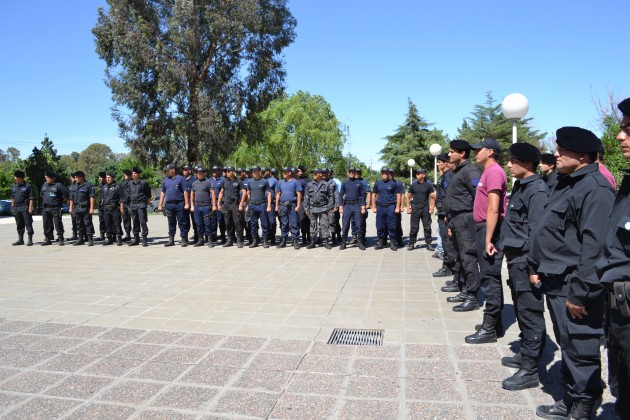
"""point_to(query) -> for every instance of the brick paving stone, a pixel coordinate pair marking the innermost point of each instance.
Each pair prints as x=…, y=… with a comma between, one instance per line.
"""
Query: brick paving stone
x=20, y=341
x=83, y=331
x=157, y=414
x=56, y=343
x=243, y=343
x=121, y=334
x=23, y=358
x=484, y=371
x=294, y=406
x=16, y=326
x=49, y=328
x=263, y=380
x=67, y=362
x=184, y=355
x=432, y=390
x=79, y=386
x=94, y=411
x=131, y=392
x=7, y=400
x=431, y=411
x=275, y=361
x=385, y=352
x=376, y=367
x=249, y=403
x=160, y=337
x=228, y=358
x=185, y=397
x=325, y=364
x=209, y=375
x=429, y=369
x=373, y=387
x=502, y=412
x=316, y=383
x=158, y=371
x=426, y=351
x=138, y=351
x=277, y=345
x=112, y=367
x=41, y=409
x=323, y=349
x=493, y=393
x=97, y=348
x=477, y=353
x=31, y=382
x=365, y=409
x=7, y=373
x=205, y=341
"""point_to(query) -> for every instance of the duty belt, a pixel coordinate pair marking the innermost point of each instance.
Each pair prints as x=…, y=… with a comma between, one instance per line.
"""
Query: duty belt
x=203, y=203
x=452, y=214
x=619, y=298
x=174, y=201
x=480, y=225
x=51, y=206
x=385, y=205
x=350, y=202
x=287, y=203
x=256, y=203
x=111, y=206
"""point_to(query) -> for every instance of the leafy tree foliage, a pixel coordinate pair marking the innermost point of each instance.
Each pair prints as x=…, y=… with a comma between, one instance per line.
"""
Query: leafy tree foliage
x=609, y=121
x=43, y=159
x=411, y=141
x=188, y=76
x=94, y=159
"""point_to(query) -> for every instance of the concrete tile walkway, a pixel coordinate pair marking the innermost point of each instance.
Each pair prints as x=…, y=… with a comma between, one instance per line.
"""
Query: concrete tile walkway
x=118, y=332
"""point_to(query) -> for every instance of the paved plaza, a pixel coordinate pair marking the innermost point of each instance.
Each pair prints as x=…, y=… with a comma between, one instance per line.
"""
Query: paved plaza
x=197, y=333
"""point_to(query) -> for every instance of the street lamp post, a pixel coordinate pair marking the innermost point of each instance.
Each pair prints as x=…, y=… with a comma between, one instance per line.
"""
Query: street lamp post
x=435, y=149
x=515, y=107
x=411, y=163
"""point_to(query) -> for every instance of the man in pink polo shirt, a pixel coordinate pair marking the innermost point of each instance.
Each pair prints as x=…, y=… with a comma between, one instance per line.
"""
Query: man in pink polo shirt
x=488, y=212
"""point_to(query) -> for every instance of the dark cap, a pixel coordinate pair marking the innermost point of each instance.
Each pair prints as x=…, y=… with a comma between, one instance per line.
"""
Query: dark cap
x=169, y=167
x=136, y=170
x=352, y=169
x=443, y=157
x=286, y=169
x=548, y=158
x=624, y=107
x=79, y=173
x=577, y=140
x=459, y=145
x=294, y=170
x=50, y=174
x=110, y=174
x=525, y=152
x=302, y=168
x=384, y=169
x=127, y=172
x=317, y=171
x=201, y=169
x=102, y=174
x=264, y=169
x=392, y=171
x=255, y=168
x=248, y=171
x=225, y=168
x=239, y=170
x=215, y=168
x=229, y=168
x=491, y=144
x=273, y=171
x=421, y=171
x=73, y=174
x=359, y=170
x=187, y=167
x=19, y=174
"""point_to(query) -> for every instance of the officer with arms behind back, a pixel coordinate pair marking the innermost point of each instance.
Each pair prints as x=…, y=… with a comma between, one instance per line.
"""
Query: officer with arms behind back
x=420, y=203
x=352, y=208
x=319, y=200
x=112, y=195
x=203, y=203
x=82, y=205
x=175, y=196
x=138, y=197
x=259, y=199
x=288, y=203
x=231, y=203
x=22, y=202
x=385, y=205
x=53, y=194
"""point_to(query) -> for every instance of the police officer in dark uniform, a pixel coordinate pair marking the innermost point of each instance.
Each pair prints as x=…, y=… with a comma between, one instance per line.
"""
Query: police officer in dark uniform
x=613, y=269
x=458, y=205
x=259, y=203
x=101, y=217
x=218, y=222
x=232, y=199
x=22, y=202
x=124, y=200
x=112, y=195
x=385, y=205
x=175, y=197
x=53, y=195
x=368, y=204
x=73, y=217
x=400, y=199
x=82, y=205
x=548, y=169
x=187, y=173
x=138, y=197
x=288, y=203
x=530, y=196
x=203, y=202
x=245, y=221
x=272, y=179
x=352, y=208
x=567, y=243
x=448, y=252
x=319, y=200
x=335, y=227
x=420, y=199
x=305, y=222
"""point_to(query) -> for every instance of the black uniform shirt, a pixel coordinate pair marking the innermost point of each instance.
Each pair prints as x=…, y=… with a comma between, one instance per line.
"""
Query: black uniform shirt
x=101, y=194
x=440, y=187
x=124, y=192
x=420, y=192
x=112, y=194
x=353, y=190
x=570, y=237
x=83, y=193
x=527, y=205
x=232, y=190
x=53, y=194
x=139, y=192
x=551, y=180
x=258, y=189
x=203, y=190
x=21, y=194
x=460, y=194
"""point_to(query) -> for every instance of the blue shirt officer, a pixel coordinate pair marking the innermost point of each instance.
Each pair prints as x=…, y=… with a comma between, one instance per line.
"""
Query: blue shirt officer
x=385, y=205
x=174, y=194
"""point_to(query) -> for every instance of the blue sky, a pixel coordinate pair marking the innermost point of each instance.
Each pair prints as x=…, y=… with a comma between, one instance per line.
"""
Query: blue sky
x=365, y=57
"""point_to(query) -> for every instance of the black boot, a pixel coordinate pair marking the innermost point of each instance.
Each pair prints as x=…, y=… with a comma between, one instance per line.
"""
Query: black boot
x=184, y=242
x=443, y=272
x=229, y=243
x=430, y=247
x=450, y=287
x=500, y=330
x=327, y=244
x=343, y=245
x=283, y=243
x=511, y=361
x=135, y=241
x=29, y=242
x=119, y=240
x=127, y=237
x=80, y=242
x=109, y=241
x=239, y=242
x=411, y=246
x=361, y=244
x=171, y=240
x=20, y=240
x=470, y=304
x=46, y=242
x=380, y=244
x=101, y=238
x=486, y=334
x=145, y=243
x=254, y=243
x=195, y=237
x=582, y=410
x=556, y=411
x=353, y=241
x=73, y=237
x=90, y=240
x=198, y=242
x=210, y=242
x=460, y=297
x=311, y=245
x=525, y=377
x=265, y=243
x=392, y=245
x=296, y=244
x=61, y=240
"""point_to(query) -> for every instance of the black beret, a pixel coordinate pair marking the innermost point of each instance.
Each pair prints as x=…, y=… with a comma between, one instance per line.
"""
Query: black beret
x=255, y=168
x=187, y=167
x=548, y=158
x=577, y=140
x=491, y=144
x=169, y=167
x=102, y=174
x=624, y=107
x=79, y=173
x=264, y=169
x=525, y=152
x=110, y=174
x=421, y=171
x=443, y=157
x=50, y=174
x=136, y=170
x=384, y=169
x=302, y=168
x=274, y=171
x=19, y=174
x=127, y=172
x=459, y=145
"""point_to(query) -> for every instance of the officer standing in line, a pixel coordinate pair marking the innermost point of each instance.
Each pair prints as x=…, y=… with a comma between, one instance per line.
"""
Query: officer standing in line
x=458, y=204
x=204, y=202
x=245, y=219
x=400, y=201
x=175, y=197
x=288, y=203
x=138, y=197
x=352, y=208
x=101, y=217
x=111, y=197
x=53, y=195
x=384, y=199
x=530, y=196
x=124, y=200
x=73, y=217
x=420, y=204
x=368, y=204
x=448, y=252
x=613, y=269
x=231, y=203
x=548, y=170
x=259, y=204
x=218, y=222
x=187, y=173
x=488, y=214
x=563, y=250
x=272, y=179
x=335, y=230
x=82, y=205
x=319, y=200
x=305, y=222
x=22, y=203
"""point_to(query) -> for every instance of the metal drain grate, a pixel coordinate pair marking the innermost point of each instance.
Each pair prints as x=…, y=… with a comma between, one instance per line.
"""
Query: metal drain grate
x=356, y=337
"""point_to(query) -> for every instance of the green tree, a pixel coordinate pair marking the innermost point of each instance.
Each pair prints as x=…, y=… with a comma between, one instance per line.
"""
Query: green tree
x=187, y=76
x=41, y=160
x=488, y=121
x=94, y=158
x=299, y=129
x=411, y=141
x=70, y=162
x=609, y=122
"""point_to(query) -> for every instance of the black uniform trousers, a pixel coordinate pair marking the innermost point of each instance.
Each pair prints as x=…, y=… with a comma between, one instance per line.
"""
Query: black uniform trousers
x=84, y=220
x=351, y=212
x=420, y=213
x=233, y=220
x=447, y=247
x=75, y=227
x=305, y=224
x=465, y=250
x=112, y=218
x=23, y=219
x=138, y=215
x=528, y=305
x=102, y=228
x=489, y=271
x=272, y=218
x=579, y=341
x=126, y=219
x=189, y=219
x=619, y=361
x=399, y=230
x=51, y=218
